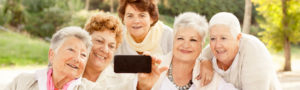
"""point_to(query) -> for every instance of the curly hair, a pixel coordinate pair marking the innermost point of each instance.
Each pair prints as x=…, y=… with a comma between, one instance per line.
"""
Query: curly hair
x=105, y=21
x=142, y=5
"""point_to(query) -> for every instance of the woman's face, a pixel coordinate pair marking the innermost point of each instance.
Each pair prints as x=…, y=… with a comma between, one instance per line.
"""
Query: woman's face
x=187, y=44
x=223, y=44
x=104, y=45
x=137, y=22
x=70, y=58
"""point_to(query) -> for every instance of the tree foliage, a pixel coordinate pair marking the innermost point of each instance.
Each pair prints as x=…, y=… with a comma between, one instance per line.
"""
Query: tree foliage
x=204, y=7
x=273, y=34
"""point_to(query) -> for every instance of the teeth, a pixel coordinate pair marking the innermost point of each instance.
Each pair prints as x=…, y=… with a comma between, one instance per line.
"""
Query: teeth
x=73, y=66
x=136, y=27
x=100, y=57
x=220, y=51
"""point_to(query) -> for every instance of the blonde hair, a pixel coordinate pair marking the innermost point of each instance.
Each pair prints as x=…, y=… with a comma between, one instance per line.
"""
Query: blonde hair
x=105, y=21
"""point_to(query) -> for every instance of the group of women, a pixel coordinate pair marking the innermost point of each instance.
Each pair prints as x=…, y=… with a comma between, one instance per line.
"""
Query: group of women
x=81, y=59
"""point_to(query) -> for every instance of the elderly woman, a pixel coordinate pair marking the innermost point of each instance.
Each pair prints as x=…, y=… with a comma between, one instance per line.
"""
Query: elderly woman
x=190, y=31
x=105, y=30
x=241, y=59
x=143, y=32
x=67, y=57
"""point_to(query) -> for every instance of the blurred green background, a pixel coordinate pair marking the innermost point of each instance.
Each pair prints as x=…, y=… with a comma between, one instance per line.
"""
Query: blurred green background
x=26, y=26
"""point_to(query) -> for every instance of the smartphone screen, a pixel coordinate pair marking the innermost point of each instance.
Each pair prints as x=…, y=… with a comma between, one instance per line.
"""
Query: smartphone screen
x=132, y=64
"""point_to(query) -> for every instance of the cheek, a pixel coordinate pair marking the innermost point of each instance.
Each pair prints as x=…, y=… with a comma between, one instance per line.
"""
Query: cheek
x=212, y=46
x=82, y=65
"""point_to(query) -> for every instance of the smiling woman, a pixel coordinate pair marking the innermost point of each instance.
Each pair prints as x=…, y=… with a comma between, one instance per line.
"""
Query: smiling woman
x=67, y=57
x=143, y=32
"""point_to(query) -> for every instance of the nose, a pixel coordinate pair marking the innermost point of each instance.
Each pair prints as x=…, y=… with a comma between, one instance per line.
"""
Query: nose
x=218, y=44
x=104, y=49
x=186, y=44
x=136, y=20
x=77, y=57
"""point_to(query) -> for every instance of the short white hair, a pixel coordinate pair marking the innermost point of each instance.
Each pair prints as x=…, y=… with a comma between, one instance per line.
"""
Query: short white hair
x=71, y=31
x=228, y=19
x=194, y=20
x=60, y=35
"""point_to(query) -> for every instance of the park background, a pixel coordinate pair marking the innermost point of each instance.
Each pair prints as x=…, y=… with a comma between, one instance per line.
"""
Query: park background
x=26, y=26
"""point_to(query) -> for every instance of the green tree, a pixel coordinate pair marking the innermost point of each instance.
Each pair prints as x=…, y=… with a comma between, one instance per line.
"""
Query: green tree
x=16, y=9
x=281, y=21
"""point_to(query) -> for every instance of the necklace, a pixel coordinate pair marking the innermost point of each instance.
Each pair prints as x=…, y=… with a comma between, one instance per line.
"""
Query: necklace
x=170, y=77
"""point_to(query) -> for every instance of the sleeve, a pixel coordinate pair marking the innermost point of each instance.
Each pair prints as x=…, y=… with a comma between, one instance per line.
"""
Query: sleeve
x=206, y=54
x=12, y=85
x=257, y=70
x=21, y=82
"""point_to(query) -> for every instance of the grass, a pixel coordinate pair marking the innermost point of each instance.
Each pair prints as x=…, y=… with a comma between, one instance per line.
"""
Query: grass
x=22, y=50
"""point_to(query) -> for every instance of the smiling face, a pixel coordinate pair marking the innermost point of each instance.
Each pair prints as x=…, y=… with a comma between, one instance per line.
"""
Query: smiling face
x=137, y=22
x=70, y=58
x=223, y=44
x=187, y=44
x=104, y=45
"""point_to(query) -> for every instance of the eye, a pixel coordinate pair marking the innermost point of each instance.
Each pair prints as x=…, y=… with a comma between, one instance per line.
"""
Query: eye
x=180, y=38
x=71, y=49
x=112, y=46
x=223, y=38
x=83, y=54
x=129, y=15
x=99, y=41
x=212, y=39
x=142, y=15
x=193, y=40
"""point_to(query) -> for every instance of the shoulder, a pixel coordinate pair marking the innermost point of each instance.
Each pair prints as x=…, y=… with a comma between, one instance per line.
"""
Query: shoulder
x=26, y=78
x=166, y=29
x=23, y=81
x=251, y=41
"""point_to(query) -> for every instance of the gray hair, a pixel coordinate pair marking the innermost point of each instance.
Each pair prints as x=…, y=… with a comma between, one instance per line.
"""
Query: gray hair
x=194, y=20
x=59, y=37
x=228, y=19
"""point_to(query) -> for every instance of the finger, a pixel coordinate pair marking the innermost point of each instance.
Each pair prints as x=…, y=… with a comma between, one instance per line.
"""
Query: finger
x=198, y=77
x=162, y=69
x=202, y=81
x=147, y=53
x=208, y=80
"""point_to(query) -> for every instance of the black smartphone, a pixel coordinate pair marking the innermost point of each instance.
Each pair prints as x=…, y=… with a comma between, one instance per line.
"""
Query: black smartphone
x=132, y=64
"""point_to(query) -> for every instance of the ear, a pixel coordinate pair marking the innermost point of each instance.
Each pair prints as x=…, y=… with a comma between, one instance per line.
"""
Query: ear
x=151, y=20
x=239, y=36
x=50, y=55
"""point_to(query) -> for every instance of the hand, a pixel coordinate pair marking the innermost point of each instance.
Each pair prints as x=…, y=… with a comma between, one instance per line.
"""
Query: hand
x=206, y=72
x=147, y=80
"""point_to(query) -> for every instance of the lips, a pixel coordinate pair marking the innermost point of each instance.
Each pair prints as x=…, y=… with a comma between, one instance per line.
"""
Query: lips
x=185, y=51
x=221, y=51
x=101, y=58
x=136, y=27
x=72, y=66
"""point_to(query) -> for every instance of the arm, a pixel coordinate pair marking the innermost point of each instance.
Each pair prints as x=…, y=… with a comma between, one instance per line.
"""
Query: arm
x=147, y=80
x=206, y=54
x=257, y=72
x=206, y=69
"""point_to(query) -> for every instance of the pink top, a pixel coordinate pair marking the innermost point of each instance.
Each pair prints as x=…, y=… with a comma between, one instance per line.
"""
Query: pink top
x=50, y=85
